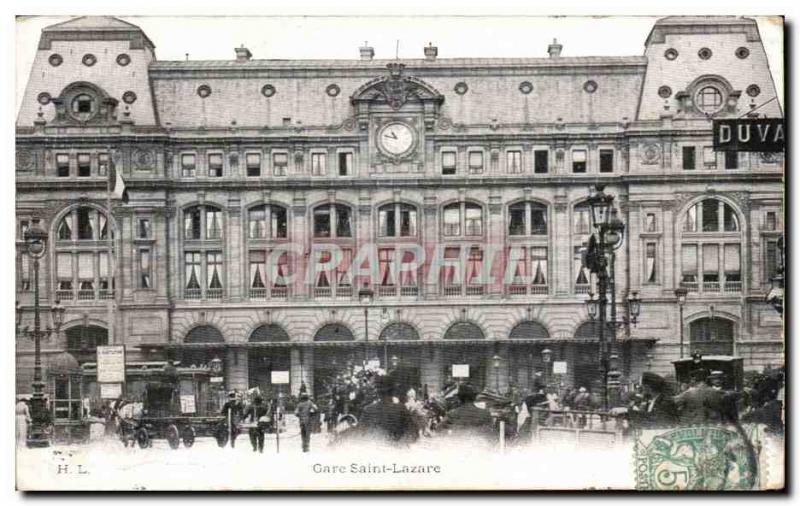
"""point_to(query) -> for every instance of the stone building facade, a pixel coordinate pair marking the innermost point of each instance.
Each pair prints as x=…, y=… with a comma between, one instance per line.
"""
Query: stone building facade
x=228, y=162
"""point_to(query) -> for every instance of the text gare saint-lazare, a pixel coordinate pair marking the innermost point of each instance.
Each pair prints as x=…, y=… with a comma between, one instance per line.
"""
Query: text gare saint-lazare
x=394, y=468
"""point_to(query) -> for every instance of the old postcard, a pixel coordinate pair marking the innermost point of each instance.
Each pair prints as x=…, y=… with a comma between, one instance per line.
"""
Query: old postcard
x=417, y=253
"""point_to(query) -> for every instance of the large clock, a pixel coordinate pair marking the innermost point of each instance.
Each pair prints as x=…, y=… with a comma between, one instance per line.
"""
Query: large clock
x=396, y=138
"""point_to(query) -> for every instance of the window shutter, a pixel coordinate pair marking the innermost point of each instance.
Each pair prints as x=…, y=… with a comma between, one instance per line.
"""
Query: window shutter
x=710, y=258
x=689, y=259
x=732, y=258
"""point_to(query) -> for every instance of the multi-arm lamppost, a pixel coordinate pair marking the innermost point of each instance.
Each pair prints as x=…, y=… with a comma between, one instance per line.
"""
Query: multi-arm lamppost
x=546, y=357
x=35, y=246
x=366, y=295
x=496, y=362
x=608, y=235
x=680, y=296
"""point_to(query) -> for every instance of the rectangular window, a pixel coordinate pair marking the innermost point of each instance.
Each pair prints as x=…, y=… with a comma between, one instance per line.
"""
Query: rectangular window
x=689, y=263
x=322, y=221
x=731, y=160
x=343, y=269
x=579, y=161
x=452, y=221
x=386, y=222
x=540, y=161
x=385, y=267
x=84, y=165
x=318, y=164
x=473, y=220
x=650, y=275
x=710, y=263
x=771, y=221
x=650, y=222
x=192, y=264
x=539, y=265
x=514, y=162
x=582, y=274
x=516, y=220
x=215, y=165
x=709, y=156
x=214, y=270
x=62, y=165
x=451, y=272
x=771, y=260
x=258, y=265
x=253, y=162
x=144, y=230
x=581, y=218
x=345, y=164
x=191, y=224
x=213, y=224
x=280, y=162
x=188, y=165
x=688, y=158
x=474, y=263
x=278, y=229
x=448, y=163
x=408, y=221
x=102, y=164
x=145, y=279
x=606, y=160
x=475, y=162
x=733, y=264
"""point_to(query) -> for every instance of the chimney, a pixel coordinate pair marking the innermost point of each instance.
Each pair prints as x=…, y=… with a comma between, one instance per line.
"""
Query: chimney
x=554, y=49
x=431, y=52
x=243, y=54
x=367, y=53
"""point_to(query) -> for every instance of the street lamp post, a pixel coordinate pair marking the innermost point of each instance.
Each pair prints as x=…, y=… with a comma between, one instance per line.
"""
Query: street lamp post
x=496, y=360
x=608, y=237
x=366, y=295
x=680, y=295
x=395, y=362
x=35, y=246
x=546, y=356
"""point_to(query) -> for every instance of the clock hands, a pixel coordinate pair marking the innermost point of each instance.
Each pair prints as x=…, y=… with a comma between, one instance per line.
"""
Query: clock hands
x=393, y=136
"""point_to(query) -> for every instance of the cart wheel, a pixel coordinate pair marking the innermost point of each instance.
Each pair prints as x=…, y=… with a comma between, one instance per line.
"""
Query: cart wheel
x=173, y=437
x=221, y=435
x=188, y=436
x=142, y=438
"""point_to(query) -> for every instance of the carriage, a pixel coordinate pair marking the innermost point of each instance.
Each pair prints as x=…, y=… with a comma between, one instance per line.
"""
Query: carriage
x=732, y=369
x=177, y=404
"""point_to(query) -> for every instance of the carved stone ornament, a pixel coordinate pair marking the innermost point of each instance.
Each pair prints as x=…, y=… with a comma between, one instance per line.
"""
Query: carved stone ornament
x=142, y=159
x=395, y=87
x=650, y=153
x=24, y=159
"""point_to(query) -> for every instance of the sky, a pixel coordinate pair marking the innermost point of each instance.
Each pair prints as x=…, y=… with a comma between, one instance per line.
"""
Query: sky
x=331, y=37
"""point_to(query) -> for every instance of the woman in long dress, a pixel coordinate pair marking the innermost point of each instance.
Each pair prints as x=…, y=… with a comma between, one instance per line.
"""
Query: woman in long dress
x=23, y=416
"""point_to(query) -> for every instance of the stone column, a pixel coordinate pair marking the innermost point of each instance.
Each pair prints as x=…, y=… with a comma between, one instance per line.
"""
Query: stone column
x=235, y=257
x=431, y=370
x=236, y=374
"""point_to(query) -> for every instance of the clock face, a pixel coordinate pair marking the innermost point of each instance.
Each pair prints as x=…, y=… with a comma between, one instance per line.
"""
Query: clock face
x=396, y=138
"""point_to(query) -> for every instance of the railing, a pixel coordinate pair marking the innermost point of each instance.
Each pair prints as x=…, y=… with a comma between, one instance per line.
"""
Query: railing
x=512, y=290
x=192, y=293
x=64, y=295
x=473, y=291
x=580, y=289
x=106, y=294
x=409, y=291
x=323, y=292
x=387, y=291
x=710, y=286
x=280, y=292
x=539, y=290
x=85, y=294
x=214, y=293
x=733, y=286
x=451, y=290
x=258, y=293
x=689, y=285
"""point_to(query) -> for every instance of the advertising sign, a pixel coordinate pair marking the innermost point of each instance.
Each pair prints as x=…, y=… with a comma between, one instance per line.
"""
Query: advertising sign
x=111, y=364
x=280, y=377
x=110, y=390
x=761, y=135
x=461, y=370
x=187, y=404
x=559, y=367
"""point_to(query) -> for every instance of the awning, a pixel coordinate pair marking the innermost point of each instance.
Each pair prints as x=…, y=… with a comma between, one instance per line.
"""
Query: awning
x=371, y=343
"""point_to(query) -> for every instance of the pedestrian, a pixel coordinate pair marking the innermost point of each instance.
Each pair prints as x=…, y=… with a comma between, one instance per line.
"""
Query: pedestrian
x=306, y=412
x=659, y=409
x=232, y=411
x=385, y=419
x=258, y=416
x=469, y=419
x=23, y=417
x=700, y=404
x=583, y=402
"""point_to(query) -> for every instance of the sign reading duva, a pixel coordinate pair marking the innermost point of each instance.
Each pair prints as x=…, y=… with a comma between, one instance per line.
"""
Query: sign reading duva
x=759, y=135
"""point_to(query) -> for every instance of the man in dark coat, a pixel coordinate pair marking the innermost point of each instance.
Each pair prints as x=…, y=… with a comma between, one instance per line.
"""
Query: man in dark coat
x=658, y=408
x=469, y=418
x=306, y=414
x=700, y=404
x=232, y=411
x=254, y=415
x=387, y=419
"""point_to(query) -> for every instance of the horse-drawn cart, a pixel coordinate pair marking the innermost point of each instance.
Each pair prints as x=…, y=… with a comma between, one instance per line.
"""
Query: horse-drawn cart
x=177, y=404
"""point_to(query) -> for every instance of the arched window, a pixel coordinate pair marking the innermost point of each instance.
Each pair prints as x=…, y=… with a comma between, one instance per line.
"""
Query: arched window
x=711, y=336
x=266, y=225
x=464, y=331
x=711, y=248
x=82, y=243
x=331, y=271
x=590, y=331
x=527, y=218
x=708, y=99
x=334, y=332
x=529, y=330
x=202, y=252
x=397, y=220
x=462, y=219
x=206, y=337
x=333, y=220
x=83, y=340
x=399, y=331
x=270, y=333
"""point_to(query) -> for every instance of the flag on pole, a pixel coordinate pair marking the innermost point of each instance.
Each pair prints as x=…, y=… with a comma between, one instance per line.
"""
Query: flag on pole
x=116, y=183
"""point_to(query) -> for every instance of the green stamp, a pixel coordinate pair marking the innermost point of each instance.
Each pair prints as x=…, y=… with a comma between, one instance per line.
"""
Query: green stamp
x=696, y=458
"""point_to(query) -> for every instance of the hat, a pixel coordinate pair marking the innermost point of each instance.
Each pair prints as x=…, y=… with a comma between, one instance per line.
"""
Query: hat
x=582, y=389
x=232, y=394
x=466, y=393
x=653, y=380
x=303, y=396
x=716, y=374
